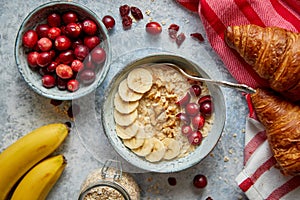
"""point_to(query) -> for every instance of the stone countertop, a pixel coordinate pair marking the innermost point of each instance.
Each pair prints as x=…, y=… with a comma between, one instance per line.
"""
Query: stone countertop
x=22, y=110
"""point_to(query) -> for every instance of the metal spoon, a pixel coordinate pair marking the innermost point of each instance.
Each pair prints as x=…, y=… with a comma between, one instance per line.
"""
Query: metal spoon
x=240, y=87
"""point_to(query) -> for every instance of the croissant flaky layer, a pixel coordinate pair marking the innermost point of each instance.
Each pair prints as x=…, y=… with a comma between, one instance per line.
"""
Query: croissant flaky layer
x=273, y=52
x=282, y=122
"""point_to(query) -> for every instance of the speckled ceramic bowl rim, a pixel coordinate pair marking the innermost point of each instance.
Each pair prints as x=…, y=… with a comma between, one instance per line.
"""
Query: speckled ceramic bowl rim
x=190, y=160
x=54, y=93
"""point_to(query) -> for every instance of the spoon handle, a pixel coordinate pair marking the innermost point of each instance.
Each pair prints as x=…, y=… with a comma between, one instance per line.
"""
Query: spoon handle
x=240, y=87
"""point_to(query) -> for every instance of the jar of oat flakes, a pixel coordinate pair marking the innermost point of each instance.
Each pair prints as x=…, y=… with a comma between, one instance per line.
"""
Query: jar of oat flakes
x=109, y=182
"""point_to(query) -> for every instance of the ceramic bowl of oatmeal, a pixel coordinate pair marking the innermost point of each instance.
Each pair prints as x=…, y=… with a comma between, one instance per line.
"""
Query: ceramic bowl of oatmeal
x=159, y=120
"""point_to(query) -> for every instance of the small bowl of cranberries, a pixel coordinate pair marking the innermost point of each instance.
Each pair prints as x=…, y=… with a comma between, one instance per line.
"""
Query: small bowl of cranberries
x=62, y=50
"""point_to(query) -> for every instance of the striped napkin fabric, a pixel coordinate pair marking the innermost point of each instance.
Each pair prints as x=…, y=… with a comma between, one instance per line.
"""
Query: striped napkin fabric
x=260, y=178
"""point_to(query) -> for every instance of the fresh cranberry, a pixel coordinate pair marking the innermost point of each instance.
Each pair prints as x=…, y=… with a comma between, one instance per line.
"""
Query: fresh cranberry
x=73, y=30
x=184, y=100
x=81, y=51
x=200, y=181
x=206, y=108
x=198, y=121
x=136, y=13
x=52, y=66
x=172, y=181
x=91, y=41
x=126, y=22
x=44, y=59
x=109, y=22
x=52, y=54
x=30, y=38
x=48, y=81
x=186, y=129
x=87, y=76
x=76, y=42
x=204, y=98
x=69, y=17
x=66, y=57
x=195, y=138
x=88, y=63
x=196, y=90
x=197, y=36
x=172, y=30
x=124, y=10
x=192, y=109
x=54, y=20
x=62, y=83
x=73, y=85
x=153, y=28
x=180, y=39
x=77, y=65
x=62, y=43
x=44, y=44
x=184, y=118
x=32, y=58
x=64, y=71
x=98, y=55
x=54, y=32
x=89, y=27
x=42, y=30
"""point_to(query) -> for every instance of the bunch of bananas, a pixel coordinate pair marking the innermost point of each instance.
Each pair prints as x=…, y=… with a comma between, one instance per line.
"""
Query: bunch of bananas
x=26, y=160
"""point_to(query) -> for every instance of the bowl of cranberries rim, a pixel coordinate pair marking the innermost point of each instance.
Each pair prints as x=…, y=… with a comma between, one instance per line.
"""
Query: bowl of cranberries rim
x=217, y=112
x=62, y=50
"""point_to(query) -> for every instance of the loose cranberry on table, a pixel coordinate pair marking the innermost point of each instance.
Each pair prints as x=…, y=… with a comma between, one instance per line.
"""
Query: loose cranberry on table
x=30, y=38
x=200, y=181
x=153, y=28
x=109, y=22
x=197, y=36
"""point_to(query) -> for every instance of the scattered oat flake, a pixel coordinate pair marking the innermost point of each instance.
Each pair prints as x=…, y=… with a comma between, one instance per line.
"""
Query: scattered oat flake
x=226, y=158
x=243, y=130
x=148, y=12
x=163, y=23
x=230, y=151
x=234, y=135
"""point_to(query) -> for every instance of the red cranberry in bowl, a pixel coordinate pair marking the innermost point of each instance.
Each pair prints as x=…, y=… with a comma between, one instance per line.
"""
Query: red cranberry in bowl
x=98, y=55
x=186, y=129
x=44, y=59
x=184, y=118
x=91, y=41
x=87, y=76
x=61, y=83
x=196, y=90
x=73, y=30
x=62, y=43
x=42, y=30
x=54, y=20
x=198, y=121
x=44, y=44
x=88, y=63
x=54, y=32
x=73, y=85
x=77, y=65
x=30, y=38
x=48, y=81
x=184, y=100
x=206, y=108
x=52, y=66
x=69, y=17
x=64, y=71
x=32, y=58
x=192, y=109
x=89, y=27
x=195, y=138
x=81, y=51
x=66, y=57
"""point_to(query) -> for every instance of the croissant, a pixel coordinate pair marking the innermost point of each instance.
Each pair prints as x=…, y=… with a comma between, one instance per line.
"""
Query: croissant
x=273, y=52
x=281, y=120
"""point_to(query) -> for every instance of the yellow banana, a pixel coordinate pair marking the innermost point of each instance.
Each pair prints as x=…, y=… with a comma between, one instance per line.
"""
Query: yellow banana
x=38, y=182
x=27, y=151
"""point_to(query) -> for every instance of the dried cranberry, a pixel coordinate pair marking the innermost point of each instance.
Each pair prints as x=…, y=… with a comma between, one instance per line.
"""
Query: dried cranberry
x=136, y=13
x=173, y=29
x=126, y=22
x=180, y=39
x=124, y=10
x=197, y=36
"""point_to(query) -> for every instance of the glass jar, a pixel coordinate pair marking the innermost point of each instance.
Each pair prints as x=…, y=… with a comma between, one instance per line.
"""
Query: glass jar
x=109, y=182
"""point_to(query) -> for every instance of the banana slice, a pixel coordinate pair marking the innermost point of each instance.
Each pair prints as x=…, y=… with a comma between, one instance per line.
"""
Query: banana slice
x=133, y=143
x=126, y=132
x=145, y=149
x=172, y=148
x=124, y=107
x=127, y=94
x=140, y=80
x=157, y=152
x=125, y=119
x=145, y=132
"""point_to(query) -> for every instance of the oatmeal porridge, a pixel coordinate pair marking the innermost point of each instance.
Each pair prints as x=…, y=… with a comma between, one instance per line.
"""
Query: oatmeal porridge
x=158, y=113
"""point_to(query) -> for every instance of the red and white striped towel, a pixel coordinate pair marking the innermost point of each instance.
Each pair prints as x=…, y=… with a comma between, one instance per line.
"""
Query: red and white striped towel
x=260, y=179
